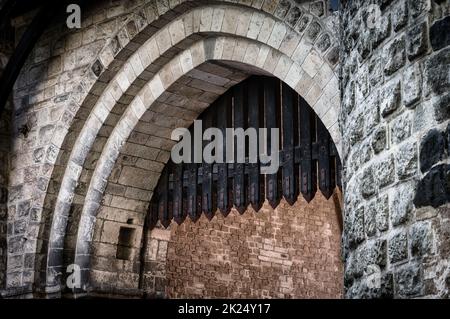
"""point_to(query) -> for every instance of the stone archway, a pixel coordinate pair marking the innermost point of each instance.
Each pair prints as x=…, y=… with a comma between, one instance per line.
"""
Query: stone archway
x=286, y=55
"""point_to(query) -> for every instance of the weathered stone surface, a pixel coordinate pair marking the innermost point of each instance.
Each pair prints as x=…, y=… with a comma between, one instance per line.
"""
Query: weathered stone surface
x=385, y=171
x=303, y=23
x=412, y=85
x=409, y=281
x=417, y=40
x=406, y=160
x=436, y=73
x=370, y=214
x=401, y=128
x=324, y=42
x=447, y=134
x=356, y=234
x=441, y=108
x=333, y=56
x=391, y=98
x=419, y=7
x=282, y=9
x=372, y=113
x=379, y=140
x=432, y=150
x=398, y=248
x=439, y=37
x=394, y=56
x=375, y=70
x=434, y=189
x=313, y=31
x=401, y=203
x=368, y=185
x=382, y=213
x=399, y=15
x=383, y=31
x=317, y=8
x=293, y=16
x=420, y=239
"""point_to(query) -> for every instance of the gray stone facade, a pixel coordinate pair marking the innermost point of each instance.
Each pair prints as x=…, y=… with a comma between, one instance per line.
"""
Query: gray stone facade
x=93, y=110
x=403, y=170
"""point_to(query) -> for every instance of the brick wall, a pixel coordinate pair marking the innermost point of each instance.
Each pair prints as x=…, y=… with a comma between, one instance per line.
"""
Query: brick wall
x=289, y=252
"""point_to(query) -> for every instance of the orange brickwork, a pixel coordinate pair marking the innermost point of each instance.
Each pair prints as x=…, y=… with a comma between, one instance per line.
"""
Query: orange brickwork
x=289, y=252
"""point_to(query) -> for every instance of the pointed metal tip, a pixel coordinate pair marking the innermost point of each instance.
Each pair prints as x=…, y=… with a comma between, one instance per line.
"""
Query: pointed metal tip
x=308, y=198
x=166, y=223
x=241, y=209
x=210, y=216
x=274, y=204
x=257, y=207
x=327, y=194
x=290, y=201
x=194, y=218
x=179, y=220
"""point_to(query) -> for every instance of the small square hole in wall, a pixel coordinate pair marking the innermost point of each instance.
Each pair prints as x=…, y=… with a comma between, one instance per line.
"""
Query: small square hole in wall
x=125, y=243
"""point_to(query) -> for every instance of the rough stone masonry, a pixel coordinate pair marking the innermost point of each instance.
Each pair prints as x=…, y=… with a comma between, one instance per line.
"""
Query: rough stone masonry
x=87, y=136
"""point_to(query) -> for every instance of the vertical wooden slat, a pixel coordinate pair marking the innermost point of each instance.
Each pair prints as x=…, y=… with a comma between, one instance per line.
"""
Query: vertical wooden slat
x=307, y=184
x=163, y=197
x=223, y=110
x=239, y=168
x=289, y=180
x=178, y=209
x=207, y=208
x=255, y=197
x=323, y=141
x=192, y=188
x=270, y=111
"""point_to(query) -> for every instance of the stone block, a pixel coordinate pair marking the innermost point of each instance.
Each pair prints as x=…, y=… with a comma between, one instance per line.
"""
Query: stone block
x=409, y=281
x=370, y=213
x=392, y=99
x=439, y=35
x=419, y=7
x=436, y=73
x=385, y=171
x=313, y=31
x=432, y=150
x=282, y=9
x=303, y=23
x=379, y=139
x=406, y=160
x=394, y=56
x=401, y=203
x=375, y=71
x=401, y=128
x=399, y=15
x=293, y=16
x=312, y=64
x=398, y=247
x=417, y=40
x=420, y=239
x=441, y=108
x=382, y=213
x=434, y=189
x=357, y=234
x=412, y=85
x=368, y=185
